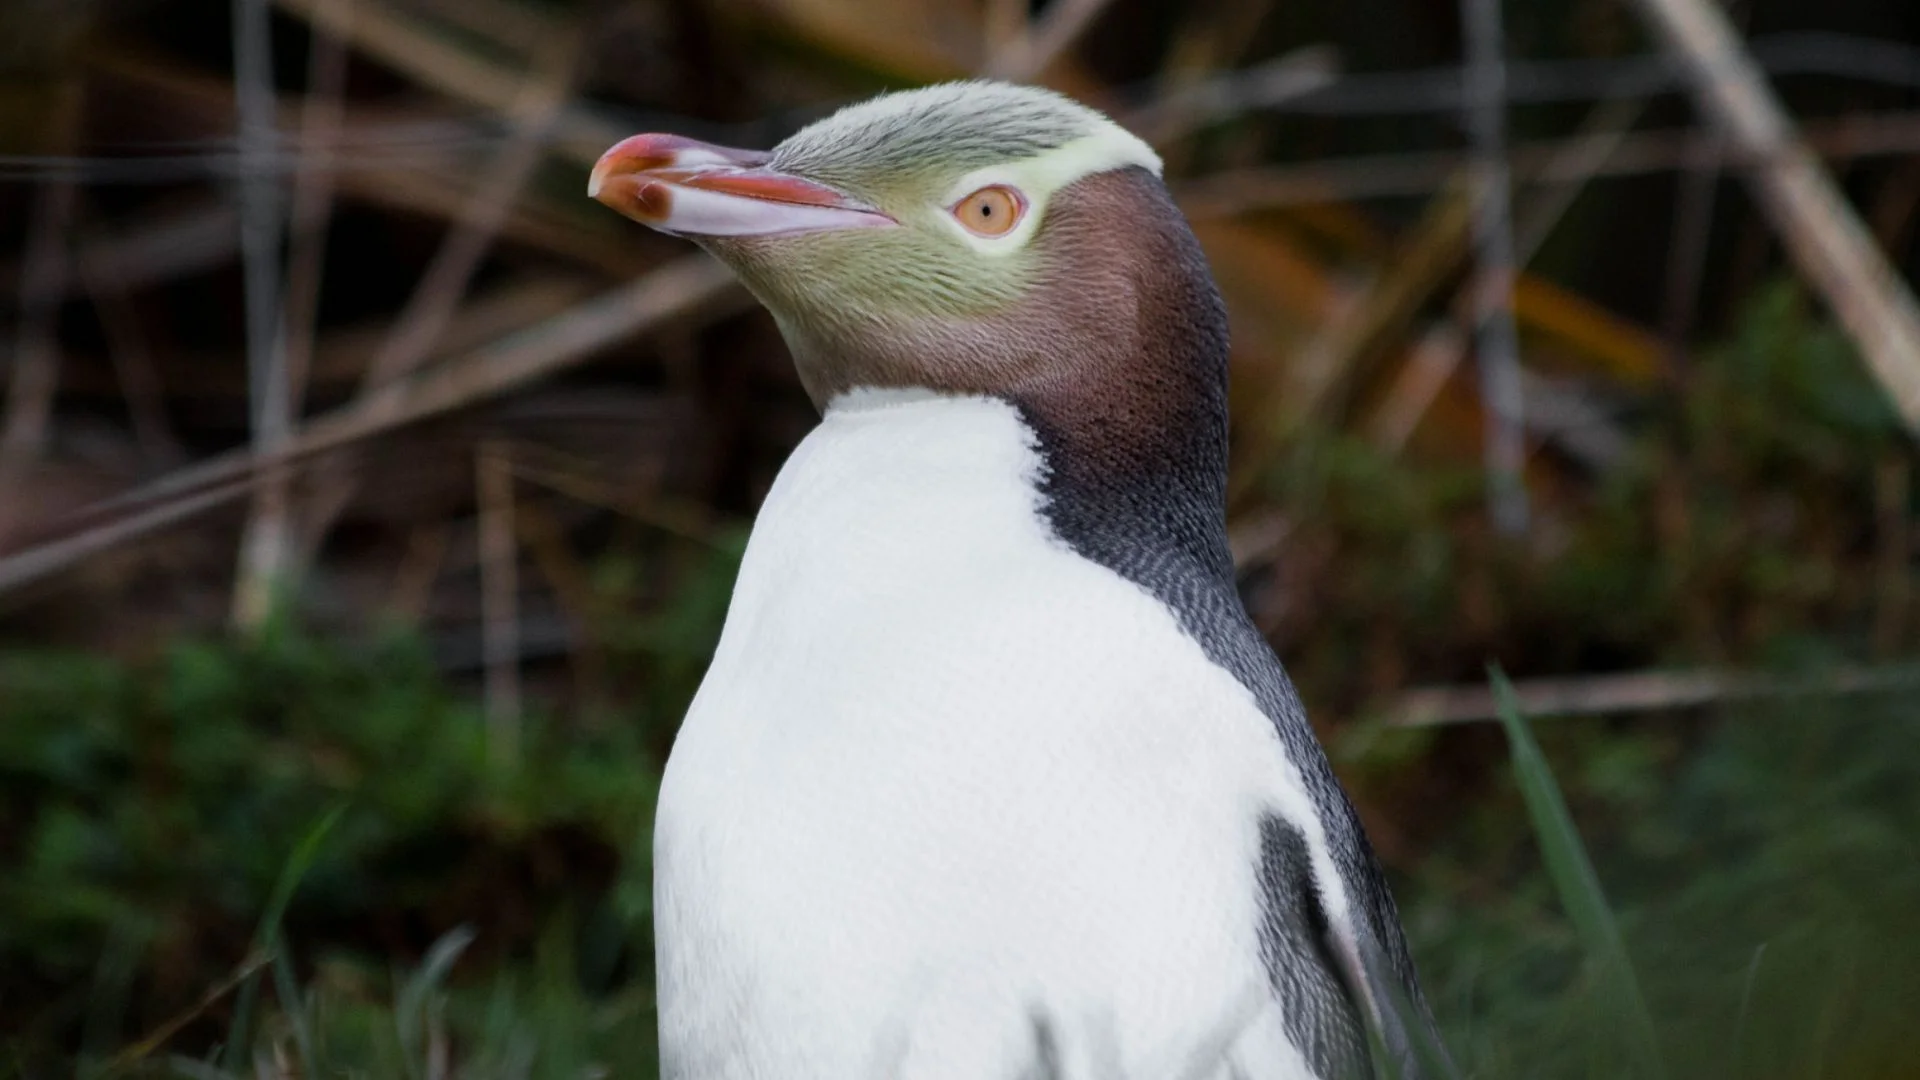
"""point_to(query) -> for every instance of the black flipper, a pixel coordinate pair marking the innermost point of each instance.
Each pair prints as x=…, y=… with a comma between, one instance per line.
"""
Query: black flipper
x=1321, y=1013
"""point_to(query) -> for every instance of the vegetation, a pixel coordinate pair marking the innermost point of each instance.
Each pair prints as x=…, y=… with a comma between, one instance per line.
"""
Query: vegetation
x=154, y=811
x=1760, y=864
x=490, y=916
x=151, y=819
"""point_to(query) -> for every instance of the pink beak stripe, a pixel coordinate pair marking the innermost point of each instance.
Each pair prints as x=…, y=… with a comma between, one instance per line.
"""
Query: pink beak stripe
x=678, y=185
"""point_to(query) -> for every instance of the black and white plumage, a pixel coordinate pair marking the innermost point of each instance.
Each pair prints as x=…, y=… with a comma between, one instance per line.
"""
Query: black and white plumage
x=991, y=776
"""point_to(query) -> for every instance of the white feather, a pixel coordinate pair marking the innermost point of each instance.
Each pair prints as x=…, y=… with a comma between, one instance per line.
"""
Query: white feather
x=945, y=779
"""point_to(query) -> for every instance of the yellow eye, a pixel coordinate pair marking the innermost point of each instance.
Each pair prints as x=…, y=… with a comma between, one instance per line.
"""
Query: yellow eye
x=991, y=211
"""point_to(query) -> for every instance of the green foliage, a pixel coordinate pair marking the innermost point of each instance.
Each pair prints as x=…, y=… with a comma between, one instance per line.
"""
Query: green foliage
x=159, y=823
x=525, y=1021
x=1764, y=876
x=153, y=809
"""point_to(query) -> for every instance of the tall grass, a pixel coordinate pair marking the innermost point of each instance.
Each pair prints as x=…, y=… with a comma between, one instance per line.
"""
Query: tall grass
x=1576, y=883
x=1762, y=913
x=1765, y=878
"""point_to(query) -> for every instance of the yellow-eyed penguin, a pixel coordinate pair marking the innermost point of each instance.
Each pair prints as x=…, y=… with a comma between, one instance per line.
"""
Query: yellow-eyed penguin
x=991, y=777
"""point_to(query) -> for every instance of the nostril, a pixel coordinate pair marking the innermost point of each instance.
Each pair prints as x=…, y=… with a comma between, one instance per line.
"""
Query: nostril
x=654, y=200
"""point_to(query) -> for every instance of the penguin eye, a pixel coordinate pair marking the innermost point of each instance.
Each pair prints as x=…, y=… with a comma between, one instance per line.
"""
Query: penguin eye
x=991, y=211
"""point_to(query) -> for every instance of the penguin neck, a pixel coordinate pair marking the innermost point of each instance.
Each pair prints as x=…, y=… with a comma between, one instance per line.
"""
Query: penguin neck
x=1132, y=429
x=1128, y=482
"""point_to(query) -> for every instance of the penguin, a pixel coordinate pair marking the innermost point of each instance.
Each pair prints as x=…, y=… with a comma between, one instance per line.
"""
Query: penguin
x=991, y=776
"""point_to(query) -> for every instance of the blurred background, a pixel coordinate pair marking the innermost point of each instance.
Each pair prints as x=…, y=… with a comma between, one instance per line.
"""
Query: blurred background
x=370, y=499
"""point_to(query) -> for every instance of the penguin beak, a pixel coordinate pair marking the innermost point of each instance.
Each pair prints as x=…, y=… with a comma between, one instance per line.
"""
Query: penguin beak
x=689, y=188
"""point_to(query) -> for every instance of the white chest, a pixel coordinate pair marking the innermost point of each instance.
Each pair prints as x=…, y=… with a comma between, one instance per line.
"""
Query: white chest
x=946, y=781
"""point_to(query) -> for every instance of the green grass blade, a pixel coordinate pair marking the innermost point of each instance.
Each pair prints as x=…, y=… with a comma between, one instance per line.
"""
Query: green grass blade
x=1574, y=877
x=240, y=1038
x=295, y=1004
x=411, y=1011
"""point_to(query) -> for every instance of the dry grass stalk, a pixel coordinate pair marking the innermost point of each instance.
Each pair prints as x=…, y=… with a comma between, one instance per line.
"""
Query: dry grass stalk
x=322, y=118
x=530, y=223
x=37, y=563
x=1640, y=691
x=1819, y=228
x=1437, y=353
x=428, y=179
x=273, y=552
x=543, y=92
x=571, y=479
x=1584, y=156
x=419, y=568
x=411, y=46
x=1209, y=40
x=508, y=308
x=499, y=597
x=1003, y=25
x=1687, y=259
x=1335, y=180
x=133, y=363
x=1027, y=56
x=34, y=377
x=266, y=540
x=546, y=541
x=168, y=245
x=688, y=286
x=1190, y=103
x=505, y=22
x=1331, y=363
x=329, y=494
x=1496, y=337
x=159, y=1036
x=430, y=310
x=1432, y=360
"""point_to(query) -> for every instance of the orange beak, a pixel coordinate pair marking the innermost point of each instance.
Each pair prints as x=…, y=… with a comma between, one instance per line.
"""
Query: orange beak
x=689, y=188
